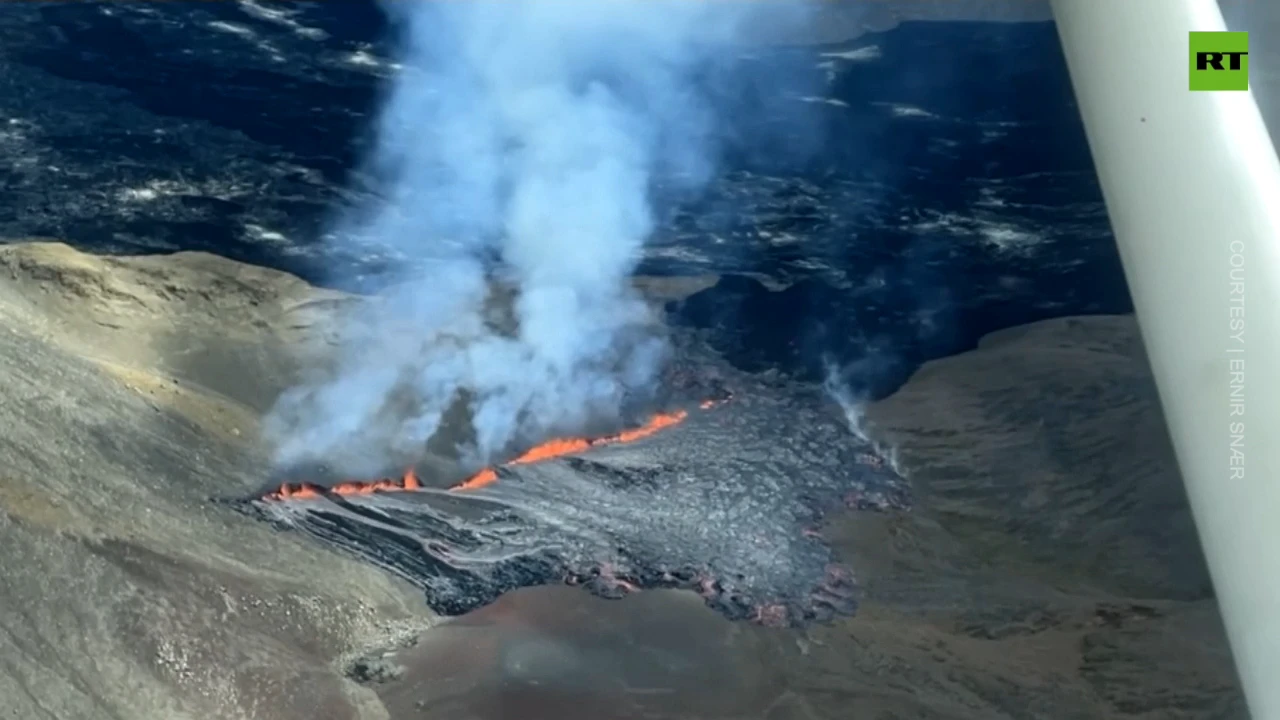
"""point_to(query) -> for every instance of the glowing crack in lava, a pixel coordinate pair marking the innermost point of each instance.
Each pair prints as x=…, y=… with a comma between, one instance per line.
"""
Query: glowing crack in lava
x=562, y=447
x=728, y=504
x=558, y=447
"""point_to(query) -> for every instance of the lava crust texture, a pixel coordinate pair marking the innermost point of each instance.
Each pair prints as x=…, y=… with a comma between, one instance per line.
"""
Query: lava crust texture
x=726, y=503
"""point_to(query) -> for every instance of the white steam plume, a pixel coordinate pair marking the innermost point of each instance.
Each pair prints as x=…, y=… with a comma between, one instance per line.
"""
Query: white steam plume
x=855, y=412
x=518, y=148
x=854, y=408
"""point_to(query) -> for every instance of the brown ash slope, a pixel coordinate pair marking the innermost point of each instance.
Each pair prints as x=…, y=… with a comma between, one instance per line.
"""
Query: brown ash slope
x=1065, y=419
x=1049, y=563
x=123, y=592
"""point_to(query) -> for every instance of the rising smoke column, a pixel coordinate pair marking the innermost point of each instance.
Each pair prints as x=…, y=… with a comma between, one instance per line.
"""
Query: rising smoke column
x=518, y=148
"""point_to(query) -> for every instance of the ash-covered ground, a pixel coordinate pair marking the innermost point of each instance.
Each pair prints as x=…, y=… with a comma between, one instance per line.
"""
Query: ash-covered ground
x=728, y=502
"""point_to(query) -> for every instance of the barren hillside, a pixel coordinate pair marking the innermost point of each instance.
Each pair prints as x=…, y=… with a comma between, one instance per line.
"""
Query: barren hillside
x=1048, y=568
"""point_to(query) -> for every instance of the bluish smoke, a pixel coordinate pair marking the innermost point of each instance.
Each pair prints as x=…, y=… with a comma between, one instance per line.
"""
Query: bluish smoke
x=518, y=149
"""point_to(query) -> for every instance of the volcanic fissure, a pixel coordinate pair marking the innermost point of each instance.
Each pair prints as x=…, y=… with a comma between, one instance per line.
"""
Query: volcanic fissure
x=724, y=497
x=554, y=448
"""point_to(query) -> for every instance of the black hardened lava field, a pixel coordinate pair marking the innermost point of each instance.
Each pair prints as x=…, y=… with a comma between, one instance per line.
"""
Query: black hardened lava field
x=722, y=493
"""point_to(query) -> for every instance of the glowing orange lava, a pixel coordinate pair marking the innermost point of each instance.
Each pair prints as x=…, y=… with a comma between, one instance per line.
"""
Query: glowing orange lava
x=568, y=446
x=305, y=490
x=545, y=451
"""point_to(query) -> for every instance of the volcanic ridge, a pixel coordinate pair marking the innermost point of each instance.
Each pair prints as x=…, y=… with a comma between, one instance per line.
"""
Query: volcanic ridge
x=723, y=495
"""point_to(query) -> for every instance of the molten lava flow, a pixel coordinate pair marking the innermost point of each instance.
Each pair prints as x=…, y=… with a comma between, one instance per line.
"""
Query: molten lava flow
x=484, y=477
x=568, y=446
x=305, y=491
x=538, y=453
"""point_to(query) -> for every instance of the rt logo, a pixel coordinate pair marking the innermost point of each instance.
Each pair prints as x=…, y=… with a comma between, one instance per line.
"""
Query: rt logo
x=1219, y=61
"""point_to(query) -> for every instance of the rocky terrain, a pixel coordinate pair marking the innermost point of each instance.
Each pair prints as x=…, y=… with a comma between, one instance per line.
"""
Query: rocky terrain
x=1048, y=570
x=883, y=208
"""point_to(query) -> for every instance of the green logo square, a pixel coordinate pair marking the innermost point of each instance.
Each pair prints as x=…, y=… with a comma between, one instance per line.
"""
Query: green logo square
x=1219, y=61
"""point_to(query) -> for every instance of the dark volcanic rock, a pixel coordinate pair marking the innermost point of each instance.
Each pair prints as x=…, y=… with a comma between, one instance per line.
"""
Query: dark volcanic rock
x=910, y=208
x=238, y=128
